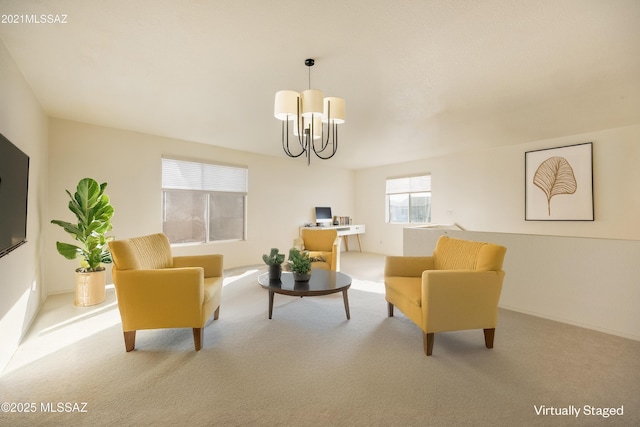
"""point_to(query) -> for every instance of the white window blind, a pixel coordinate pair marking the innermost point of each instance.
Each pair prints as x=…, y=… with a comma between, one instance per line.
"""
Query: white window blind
x=185, y=175
x=413, y=184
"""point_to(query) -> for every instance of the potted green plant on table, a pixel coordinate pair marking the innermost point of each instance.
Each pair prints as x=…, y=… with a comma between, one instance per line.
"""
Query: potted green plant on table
x=300, y=265
x=274, y=260
x=93, y=211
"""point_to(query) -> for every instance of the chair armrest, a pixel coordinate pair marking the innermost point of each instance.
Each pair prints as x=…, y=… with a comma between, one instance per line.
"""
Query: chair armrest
x=298, y=243
x=212, y=264
x=335, y=254
x=460, y=299
x=407, y=266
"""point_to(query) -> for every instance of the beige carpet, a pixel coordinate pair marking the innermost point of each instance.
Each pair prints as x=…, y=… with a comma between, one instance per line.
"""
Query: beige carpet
x=309, y=366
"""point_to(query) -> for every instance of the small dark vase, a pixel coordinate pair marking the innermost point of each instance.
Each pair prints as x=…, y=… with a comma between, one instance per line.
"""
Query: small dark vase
x=275, y=272
x=301, y=277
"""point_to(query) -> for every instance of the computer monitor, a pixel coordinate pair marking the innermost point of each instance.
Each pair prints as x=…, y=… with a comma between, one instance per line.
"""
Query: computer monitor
x=323, y=216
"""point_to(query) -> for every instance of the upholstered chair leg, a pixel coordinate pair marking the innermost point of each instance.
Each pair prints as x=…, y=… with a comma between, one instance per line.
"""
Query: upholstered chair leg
x=390, y=309
x=216, y=313
x=129, y=340
x=198, y=337
x=488, y=337
x=427, y=341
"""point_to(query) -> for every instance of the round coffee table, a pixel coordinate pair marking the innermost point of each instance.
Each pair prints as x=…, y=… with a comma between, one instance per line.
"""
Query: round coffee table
x=322, y=282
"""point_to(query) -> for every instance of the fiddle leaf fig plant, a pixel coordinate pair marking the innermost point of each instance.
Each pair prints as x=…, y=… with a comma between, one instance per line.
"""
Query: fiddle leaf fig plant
x=93, y=211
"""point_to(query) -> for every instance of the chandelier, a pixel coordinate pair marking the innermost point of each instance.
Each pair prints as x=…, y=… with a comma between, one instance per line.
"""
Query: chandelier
x=317, y=117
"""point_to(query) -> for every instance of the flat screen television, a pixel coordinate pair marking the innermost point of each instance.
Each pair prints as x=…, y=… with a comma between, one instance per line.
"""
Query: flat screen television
x=323, y=216
x=14, y=185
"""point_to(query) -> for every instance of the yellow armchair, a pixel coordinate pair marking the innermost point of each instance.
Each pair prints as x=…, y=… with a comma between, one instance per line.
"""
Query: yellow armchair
x=323, y=245
x=157, y=290
x=457, y=288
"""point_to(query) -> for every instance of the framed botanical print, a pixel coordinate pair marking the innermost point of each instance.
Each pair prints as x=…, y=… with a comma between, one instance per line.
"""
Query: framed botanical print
x=559, y=183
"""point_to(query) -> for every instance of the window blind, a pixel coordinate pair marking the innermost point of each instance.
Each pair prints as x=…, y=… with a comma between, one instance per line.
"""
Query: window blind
x=185, y=175
x=413, y=184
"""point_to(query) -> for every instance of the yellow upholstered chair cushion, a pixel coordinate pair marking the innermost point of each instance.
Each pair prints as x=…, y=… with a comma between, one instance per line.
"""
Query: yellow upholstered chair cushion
x=456, y=254
x=147, y=252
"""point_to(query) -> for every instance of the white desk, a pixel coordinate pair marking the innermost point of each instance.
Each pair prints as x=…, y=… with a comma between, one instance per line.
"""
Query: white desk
x=344, y=231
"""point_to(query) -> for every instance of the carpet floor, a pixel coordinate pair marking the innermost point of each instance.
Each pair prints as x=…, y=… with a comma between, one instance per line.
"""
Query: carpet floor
x=310, y=366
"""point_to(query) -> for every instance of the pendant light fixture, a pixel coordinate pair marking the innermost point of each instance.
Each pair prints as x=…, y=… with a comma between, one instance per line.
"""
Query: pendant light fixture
x=312, y=119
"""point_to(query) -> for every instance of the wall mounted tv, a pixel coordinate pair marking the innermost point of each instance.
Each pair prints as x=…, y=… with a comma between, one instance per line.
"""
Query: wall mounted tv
x=14, y=185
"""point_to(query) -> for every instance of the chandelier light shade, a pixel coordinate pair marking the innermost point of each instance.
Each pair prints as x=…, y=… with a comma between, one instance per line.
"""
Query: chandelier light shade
x=286, y=106
x=317, y=116
x=337, y=110
x=312, y=103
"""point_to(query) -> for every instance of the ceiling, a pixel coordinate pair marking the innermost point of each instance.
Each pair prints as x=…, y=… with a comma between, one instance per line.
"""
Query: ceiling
x=420, y=78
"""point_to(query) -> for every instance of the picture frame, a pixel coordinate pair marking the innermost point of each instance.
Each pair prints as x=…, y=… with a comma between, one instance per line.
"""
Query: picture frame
x=559, y=183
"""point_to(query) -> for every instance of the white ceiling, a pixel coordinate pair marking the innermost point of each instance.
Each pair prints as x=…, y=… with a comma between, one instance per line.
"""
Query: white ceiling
x=421, y=78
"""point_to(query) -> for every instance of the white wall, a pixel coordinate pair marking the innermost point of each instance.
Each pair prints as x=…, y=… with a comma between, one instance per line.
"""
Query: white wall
x=484, y=191
x=588, y=282
x=22, y=291
x=282, y=191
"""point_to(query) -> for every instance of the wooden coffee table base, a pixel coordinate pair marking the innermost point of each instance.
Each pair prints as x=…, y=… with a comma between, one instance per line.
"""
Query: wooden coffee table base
x=322, y=282
x=345, y=297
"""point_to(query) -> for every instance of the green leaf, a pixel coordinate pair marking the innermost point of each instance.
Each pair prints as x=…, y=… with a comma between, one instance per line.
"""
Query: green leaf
x=69, y=251
x=68, y=227
x=103, y=209
x=77, y=210
x=87, y=193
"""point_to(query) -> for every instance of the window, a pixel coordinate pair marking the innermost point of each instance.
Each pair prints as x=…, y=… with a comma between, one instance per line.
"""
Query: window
x=409, y=199
x=203, y=202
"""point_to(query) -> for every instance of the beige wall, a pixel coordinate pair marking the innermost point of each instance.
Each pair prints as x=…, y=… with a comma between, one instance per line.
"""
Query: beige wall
x=282, y=191
x=22, y=290
x=484, y=191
